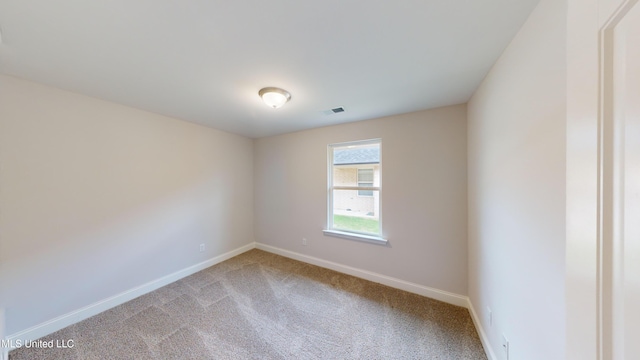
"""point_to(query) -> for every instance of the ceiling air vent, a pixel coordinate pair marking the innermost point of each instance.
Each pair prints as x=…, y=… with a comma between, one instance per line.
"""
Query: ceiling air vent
x=334, y=111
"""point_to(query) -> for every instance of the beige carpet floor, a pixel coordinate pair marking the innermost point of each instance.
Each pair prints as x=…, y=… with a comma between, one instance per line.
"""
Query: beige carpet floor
x=263, y=306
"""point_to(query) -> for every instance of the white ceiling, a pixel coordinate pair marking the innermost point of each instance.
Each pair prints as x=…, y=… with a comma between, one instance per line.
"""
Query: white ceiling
x=205, y=60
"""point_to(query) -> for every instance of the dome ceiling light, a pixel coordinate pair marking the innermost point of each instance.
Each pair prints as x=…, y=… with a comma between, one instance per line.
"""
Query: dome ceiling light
x=274, y=97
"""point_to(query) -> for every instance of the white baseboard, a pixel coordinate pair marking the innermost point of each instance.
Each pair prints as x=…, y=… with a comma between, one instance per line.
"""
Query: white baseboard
x=483, y=335
x=451, y=298
x=53, y=325
x=445, y=296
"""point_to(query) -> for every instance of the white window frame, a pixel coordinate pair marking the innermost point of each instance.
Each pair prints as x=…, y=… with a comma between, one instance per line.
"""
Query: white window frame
x=353, y=235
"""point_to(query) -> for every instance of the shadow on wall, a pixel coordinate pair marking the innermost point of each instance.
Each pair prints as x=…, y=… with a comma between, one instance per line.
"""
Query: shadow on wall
x=78, y=269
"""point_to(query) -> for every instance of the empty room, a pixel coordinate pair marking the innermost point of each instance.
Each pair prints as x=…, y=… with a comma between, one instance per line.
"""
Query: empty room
x=319, y=179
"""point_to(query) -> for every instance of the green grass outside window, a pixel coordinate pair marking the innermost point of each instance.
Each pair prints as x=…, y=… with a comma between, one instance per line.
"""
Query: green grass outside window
x=355, y=223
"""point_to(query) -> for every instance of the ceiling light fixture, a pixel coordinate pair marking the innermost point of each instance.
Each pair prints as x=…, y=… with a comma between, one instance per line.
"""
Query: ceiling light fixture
x=274, y=97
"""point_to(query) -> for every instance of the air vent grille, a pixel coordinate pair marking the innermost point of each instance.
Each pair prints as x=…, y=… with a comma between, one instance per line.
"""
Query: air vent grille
x=337, y=110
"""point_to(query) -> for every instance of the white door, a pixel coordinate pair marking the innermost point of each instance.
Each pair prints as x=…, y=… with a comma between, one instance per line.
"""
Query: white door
x=603, y=180
x=623, y=45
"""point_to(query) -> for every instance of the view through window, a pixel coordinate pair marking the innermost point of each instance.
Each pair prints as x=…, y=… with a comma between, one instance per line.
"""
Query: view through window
x=354, y=187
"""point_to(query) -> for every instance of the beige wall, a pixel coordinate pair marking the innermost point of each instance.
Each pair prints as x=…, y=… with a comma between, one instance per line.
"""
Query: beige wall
x=97, y=198
x=423, y=196
x=517, y=140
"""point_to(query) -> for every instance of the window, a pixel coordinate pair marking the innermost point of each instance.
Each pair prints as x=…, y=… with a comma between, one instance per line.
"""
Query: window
x=354, y=189
x=365, y=179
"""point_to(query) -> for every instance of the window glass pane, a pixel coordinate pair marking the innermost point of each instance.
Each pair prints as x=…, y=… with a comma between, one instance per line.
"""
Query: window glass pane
x=356, y=154
x=345, y=175
x=365, y=192
x=365, y=178
x=355, y=165
x=365, y=175
x=356, y=213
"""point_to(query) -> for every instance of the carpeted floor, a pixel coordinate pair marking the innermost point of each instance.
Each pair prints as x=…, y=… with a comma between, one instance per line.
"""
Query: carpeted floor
x=263, y=306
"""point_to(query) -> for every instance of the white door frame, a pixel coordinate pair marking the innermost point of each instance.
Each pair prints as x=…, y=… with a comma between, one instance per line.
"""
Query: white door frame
x=590, y=174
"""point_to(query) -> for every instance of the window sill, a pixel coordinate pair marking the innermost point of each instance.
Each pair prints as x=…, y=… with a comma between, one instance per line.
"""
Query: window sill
x=354, y=236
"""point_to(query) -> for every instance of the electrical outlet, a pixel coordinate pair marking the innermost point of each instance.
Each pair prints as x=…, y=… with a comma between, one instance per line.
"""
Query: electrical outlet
x=505, y=346
x=201, y=247
x=489, y=316
x=304, y=241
